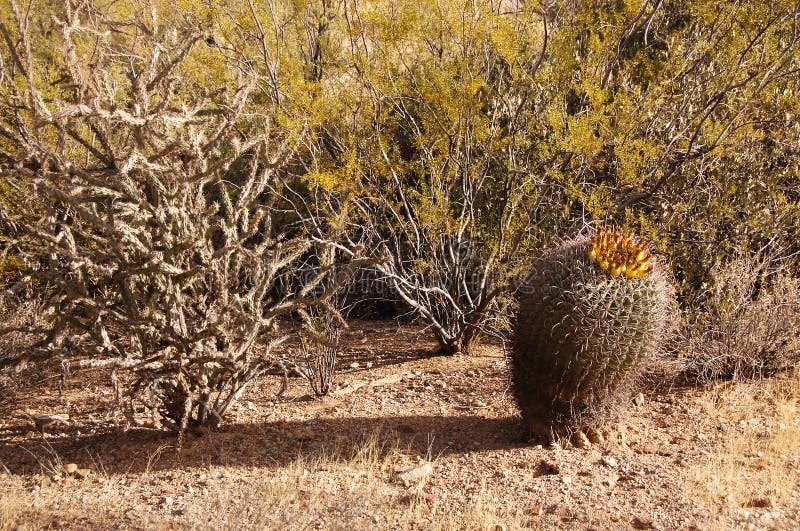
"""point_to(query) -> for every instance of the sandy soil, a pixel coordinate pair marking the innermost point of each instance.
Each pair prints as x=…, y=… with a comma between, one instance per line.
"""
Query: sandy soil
x=406, y=440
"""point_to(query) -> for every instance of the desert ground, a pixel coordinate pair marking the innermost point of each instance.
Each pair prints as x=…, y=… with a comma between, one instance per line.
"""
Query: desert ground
x=405, y=440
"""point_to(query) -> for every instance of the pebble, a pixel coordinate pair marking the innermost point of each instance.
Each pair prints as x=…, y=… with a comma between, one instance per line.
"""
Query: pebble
x=609, y=461
x=70, y=468
x=548, y=468
x=415, y=474
x=610, y=482
x=304, y=434
x=580, y=440
x=642, y=522
x=43, y=420
x=595, y=436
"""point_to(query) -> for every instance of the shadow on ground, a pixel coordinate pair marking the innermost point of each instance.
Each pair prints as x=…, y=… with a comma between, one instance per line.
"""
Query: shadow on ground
x=269, y=444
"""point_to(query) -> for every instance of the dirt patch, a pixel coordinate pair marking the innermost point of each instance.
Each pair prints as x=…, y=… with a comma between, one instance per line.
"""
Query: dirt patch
x=298, y=462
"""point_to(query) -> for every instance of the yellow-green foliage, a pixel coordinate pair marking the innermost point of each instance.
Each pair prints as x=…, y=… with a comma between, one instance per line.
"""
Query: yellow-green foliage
x=673, y=118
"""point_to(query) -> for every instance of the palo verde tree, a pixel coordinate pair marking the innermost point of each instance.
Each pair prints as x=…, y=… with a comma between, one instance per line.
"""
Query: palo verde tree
x=434, y=154
x=156, y=213
x=466, y=135
x=679, y=118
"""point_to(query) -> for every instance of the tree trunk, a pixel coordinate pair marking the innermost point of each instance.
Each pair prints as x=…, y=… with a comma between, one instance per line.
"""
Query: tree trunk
x=462, y=343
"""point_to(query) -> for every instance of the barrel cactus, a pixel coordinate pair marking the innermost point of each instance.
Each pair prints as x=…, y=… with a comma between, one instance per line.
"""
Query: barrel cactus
x=593, y=309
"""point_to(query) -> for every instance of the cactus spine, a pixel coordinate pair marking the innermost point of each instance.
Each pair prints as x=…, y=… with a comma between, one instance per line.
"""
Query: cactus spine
x=591, y=311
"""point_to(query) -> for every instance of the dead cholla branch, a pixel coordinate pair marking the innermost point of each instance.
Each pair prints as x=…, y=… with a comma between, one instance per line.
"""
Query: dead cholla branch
x=154, y=222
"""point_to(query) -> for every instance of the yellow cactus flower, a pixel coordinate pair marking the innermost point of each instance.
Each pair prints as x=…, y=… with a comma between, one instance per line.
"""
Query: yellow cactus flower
x=620, y=253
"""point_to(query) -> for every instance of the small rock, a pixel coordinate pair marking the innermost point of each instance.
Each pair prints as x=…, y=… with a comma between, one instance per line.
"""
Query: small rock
x=304, y=434
x=70, y=468
x=642, y=522
x=566, y=480
x=43, y=420
x=83, y=473
x=416, y=474
x=723, y=428
x=536, y=510
x=548, y=468
x=355, y=365
x=595, y=437
x=417, y=496
x=638, y=400
x=609, y=461
x=758, y=503
x=580, y=440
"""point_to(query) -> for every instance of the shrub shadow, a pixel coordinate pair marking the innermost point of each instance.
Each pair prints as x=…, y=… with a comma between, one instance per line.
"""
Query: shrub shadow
x=265, y=445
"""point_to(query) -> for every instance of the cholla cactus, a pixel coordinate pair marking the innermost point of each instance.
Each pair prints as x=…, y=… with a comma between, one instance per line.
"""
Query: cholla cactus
x=592, y=310
x=158, y=210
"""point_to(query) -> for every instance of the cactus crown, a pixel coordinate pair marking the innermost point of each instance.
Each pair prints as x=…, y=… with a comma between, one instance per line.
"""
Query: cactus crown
x=620, y=253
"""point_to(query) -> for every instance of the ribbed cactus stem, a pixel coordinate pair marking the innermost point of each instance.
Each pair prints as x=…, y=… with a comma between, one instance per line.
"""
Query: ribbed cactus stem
x=591, y=311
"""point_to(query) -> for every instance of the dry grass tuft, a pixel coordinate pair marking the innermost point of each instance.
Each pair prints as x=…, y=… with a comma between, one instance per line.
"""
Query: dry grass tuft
x=337, y=498
x=335, y=488
x=18, y=376
x=757, y=467
x=485, y=511
x=355, y=489
x=749, y=327
x=10, y=503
